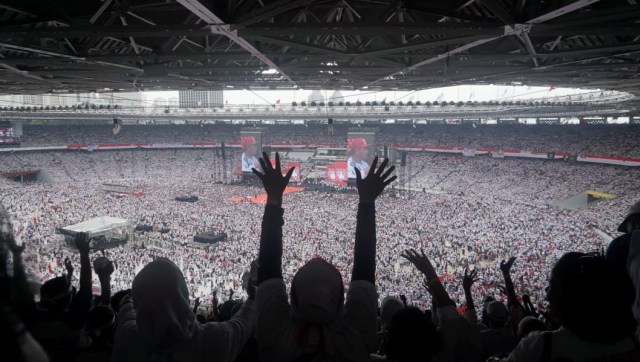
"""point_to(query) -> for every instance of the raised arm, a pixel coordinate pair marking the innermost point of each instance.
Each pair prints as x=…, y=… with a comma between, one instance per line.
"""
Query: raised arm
x=505, y=267
x=369, y=188
x=20, y=294
x=270, y=255
x=69, y=267
x=104, y=268
x=467, y=282
x=23, y=299
x=432, y=281
x=453, y=329
x=82, y=243
x=81, y=302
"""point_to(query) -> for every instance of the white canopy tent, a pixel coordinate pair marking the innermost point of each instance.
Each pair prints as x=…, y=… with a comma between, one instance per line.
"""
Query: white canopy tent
x=96, y=226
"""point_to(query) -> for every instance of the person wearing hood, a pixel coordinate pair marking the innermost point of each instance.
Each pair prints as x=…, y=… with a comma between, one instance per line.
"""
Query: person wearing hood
x=587, y=295
x=318, y=324
x=619, y=250
x=389, y=307
x=156, y=322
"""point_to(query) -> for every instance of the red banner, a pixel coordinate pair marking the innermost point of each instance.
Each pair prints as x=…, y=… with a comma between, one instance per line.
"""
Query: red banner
x=330, y=175
x=296, y=173
x=337, y=173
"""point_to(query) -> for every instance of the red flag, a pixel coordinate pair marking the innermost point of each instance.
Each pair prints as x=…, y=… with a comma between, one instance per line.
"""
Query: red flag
x=552, y=88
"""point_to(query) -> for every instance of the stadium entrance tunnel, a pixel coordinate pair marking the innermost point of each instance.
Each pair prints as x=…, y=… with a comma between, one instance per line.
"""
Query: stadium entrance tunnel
x=583, y=199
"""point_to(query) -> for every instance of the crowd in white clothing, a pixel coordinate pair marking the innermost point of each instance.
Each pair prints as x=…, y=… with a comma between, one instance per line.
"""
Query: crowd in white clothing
x=488, y=210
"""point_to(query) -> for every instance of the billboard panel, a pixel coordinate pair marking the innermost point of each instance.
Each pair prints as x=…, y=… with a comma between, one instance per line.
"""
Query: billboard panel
x=251, y=143
x=360, y=152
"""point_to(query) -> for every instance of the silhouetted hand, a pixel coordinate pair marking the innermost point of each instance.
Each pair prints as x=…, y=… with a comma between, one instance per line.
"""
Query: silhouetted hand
x=196, y=303
x=16, y=249
x=214, y=300
x=103, y=267
x=82, y=242
x=372, y=186
x=272, y=180
x=502, y=289
x=506, y=266
x=421, y=262
x=403, y=298
x=469, y=278
x=7, y=234
x=68, y=265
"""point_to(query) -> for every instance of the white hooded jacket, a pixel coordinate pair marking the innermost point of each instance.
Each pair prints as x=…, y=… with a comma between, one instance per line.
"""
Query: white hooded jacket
x=159, y=325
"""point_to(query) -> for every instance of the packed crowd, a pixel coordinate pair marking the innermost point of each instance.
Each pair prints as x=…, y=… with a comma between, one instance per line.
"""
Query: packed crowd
x=489, y=210
x=610, y=140
x=483, y=201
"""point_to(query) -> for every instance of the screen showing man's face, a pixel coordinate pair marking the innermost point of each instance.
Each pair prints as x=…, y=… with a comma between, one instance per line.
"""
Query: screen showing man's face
x=361, y=153
x=251, y=150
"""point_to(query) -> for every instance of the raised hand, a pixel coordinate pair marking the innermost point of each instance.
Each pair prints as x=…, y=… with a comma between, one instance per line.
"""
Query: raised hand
x=503, y=290
x=469, y=278
x=196, y=303
x=403, y=298
x=82, y=242
x=16, y=249
x=421, y=262
x=214, y=300
x=68, y=265
x=103, y=267
x=372, y=186
x=6, y=233
x=506, y=266
x=272, y=180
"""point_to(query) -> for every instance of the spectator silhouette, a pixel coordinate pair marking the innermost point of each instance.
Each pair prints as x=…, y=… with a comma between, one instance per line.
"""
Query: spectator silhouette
x=59, y=319
x=156, y=322
x=412, y=337
x=319, y=324
x=588, y=297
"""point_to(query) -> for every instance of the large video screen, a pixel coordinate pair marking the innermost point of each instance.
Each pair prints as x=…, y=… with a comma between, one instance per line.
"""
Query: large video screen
x=361, y=151
x=251, y=143
x=6, y=134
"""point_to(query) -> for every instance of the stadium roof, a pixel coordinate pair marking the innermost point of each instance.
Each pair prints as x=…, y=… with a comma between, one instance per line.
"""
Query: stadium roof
x=89, y=45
